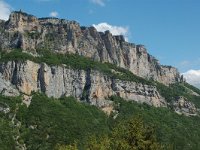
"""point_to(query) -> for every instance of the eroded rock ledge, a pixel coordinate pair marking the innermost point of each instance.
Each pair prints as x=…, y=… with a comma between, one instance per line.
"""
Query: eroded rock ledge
x=56, y=81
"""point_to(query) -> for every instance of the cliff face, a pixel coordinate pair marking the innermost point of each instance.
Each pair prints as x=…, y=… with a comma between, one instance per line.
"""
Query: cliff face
x=30, y=34
x=57, y=81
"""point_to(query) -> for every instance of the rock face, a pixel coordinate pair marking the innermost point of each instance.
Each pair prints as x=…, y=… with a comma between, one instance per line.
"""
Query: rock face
x=57, y=81
x=30, y=34
x=183, y=106
x=6, y=88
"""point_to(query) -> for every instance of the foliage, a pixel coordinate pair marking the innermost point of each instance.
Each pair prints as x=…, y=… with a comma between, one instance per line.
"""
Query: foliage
x=134, y=134
x=51, y=122
x=102, y=142
x=56, y=123
x=172, y=130
x=171, y=92
x=192, y=88
x=7, y=129
x=10, y=102
x=67, y=147
x=16, y=55
x=131, y=134
x=6, y=135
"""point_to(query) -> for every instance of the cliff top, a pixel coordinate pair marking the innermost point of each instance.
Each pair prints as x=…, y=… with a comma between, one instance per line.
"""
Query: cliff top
x=30, y=33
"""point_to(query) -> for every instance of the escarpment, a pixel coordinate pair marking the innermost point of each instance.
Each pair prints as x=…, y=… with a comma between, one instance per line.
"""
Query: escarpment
x=91, y=86
x=30, y=33
x=61, y=58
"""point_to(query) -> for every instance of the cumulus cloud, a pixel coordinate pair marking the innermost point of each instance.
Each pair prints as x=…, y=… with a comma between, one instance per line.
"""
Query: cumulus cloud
x=192, y=77
x=5, y=10
x=98, y=2
x=54, y=14
x=115, y=30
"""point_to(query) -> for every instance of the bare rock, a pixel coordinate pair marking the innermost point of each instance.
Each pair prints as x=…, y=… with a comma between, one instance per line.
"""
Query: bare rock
x=62, y=36
x=185, y=107
x=90, y=86
x=6, y=88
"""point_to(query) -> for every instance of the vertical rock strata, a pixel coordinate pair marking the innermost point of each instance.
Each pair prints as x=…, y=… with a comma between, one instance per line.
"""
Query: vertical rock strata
x=62, y=36
x=57, y=81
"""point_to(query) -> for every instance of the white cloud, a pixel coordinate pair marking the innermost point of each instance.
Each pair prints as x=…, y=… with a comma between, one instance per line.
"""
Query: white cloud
x=53, y=14
x=5, y=10
x=115, y=30
x=192, y=77
x=98, y=2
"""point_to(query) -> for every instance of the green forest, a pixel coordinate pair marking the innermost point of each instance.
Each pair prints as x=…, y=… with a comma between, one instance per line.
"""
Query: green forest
x=65, y=123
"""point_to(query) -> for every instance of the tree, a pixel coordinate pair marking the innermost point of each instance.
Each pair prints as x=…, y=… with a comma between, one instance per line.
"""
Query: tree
x=67, y=147
x=130, y=135
x=101, y=143
x=134, y=134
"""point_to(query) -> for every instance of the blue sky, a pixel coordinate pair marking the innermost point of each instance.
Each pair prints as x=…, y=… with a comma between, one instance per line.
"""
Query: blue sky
x=170, y=29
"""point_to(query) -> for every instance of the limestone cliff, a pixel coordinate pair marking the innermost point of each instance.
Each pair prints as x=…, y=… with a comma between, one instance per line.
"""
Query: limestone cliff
x=57, y=81
x=62, y=36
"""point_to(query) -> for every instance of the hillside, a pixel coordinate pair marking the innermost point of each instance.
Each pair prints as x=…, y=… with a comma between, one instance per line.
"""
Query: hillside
x=63, y=84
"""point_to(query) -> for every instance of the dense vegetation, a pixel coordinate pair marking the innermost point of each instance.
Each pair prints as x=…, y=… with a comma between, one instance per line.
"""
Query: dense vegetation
x=48, y=122
x=128, y=135
x=65, y=123
x=171, y=92
x=7, y=128
x=173, y=130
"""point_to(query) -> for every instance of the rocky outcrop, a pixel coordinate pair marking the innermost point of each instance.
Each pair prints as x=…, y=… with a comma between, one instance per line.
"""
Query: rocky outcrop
x=30, y=34
x=6, y=88
x=90, y=86
x=185, y=107
x=138, y=92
